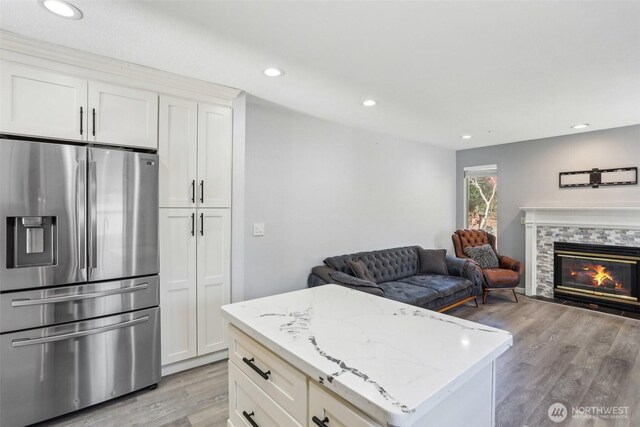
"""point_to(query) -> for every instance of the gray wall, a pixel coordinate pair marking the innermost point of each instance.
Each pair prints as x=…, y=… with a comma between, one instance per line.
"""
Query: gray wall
x=324, y=189
x=528, y=176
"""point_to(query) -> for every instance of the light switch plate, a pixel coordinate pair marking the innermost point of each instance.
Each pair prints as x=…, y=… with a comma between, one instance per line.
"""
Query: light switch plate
x=258, y=228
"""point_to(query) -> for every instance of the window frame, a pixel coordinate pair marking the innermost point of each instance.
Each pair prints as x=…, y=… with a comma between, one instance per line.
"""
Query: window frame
x=474, y=171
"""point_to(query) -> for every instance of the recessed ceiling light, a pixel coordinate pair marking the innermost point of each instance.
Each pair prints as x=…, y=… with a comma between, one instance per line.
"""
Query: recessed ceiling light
x=466, y=137
x=62, y=8
x=369, y=102
x=273, y=72
x=581, y=126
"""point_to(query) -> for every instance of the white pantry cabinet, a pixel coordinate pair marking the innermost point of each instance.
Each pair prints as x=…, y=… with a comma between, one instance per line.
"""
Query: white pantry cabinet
x=39, y=102
x=43, y=103
x=195, y=148
x=214, y=277
x=123, y=116
x=178, y=292
x=195, y=251
x=178, y=151
x=214, y=155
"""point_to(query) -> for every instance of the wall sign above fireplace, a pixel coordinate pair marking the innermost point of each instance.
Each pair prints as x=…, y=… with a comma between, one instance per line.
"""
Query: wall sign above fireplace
x=599, y=177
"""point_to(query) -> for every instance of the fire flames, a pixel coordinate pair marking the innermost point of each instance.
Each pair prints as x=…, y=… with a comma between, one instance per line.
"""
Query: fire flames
x=599, y=276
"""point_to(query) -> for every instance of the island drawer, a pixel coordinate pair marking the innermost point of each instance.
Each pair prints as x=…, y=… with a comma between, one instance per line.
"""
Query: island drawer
x=249, y=406
x=282, y=382
x=327, y=410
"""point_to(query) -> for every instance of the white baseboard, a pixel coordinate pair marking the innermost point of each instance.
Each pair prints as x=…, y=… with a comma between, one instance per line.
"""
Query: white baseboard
x=183, y=365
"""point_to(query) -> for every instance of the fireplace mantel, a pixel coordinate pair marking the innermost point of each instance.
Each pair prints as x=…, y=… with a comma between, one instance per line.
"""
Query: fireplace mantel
x=582, y=217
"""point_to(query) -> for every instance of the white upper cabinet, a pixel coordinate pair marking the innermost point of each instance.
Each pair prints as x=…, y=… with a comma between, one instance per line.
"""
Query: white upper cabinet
x=178, y=151
x=123, y=116
x=178, y=292
x=43, y=103
x=214, y=277
x=49, y=104
x=214, y=155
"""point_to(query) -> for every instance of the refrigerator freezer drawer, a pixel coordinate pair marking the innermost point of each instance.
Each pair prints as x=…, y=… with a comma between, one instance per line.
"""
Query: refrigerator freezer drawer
x=52, y=306
x=52, y=371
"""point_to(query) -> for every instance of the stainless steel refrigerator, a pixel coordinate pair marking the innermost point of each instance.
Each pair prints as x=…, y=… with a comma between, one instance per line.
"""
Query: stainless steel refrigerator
x=79, y=315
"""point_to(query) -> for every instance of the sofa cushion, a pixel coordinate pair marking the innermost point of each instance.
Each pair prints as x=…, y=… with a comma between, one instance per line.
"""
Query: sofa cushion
x=443, y=285
x=483, y=255
x=360, y=270
x=439, y=303
x=362, y=285
x=433, y=261
x=385, y=265
x=501, y=278
x=409, y=294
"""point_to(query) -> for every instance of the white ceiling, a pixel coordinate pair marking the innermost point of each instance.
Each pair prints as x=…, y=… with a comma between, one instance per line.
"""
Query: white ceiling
x=500, y=71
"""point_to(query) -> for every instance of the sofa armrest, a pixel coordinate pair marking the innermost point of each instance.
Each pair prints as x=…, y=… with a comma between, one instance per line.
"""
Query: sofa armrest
x=468, y=269
x=320, y=276
x=352, y=282
x=511, y=264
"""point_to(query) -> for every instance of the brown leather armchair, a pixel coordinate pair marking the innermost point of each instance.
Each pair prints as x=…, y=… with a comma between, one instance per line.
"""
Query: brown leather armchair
x=506, y=277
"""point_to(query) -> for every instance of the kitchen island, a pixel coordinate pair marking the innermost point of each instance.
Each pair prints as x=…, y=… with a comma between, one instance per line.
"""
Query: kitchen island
x=331, y=356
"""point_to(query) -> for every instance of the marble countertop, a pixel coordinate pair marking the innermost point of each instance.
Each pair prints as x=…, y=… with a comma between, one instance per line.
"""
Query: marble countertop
x=393, y=361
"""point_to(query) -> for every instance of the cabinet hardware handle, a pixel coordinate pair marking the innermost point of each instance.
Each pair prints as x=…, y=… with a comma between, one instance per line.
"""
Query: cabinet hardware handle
x=193, y=224
x=320, y=423
x=202, y=224
x=260, y=372
x=193, y=191
x=81, y=114
x=248, y=417
x=94, y=121
x=202, y=191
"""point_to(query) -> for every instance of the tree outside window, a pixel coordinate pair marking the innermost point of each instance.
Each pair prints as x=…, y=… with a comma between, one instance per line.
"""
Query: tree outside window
x=482, y=199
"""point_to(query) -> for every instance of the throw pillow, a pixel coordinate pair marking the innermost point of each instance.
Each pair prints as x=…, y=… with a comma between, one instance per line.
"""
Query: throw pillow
x=433, y=261
x=360, y=270
x=483, y=255
x=345, y=279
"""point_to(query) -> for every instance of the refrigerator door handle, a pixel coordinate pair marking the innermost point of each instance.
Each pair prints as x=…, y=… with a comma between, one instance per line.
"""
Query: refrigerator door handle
x=81, y=216
x=93, y=223
x=54, y=300
x=33, y=341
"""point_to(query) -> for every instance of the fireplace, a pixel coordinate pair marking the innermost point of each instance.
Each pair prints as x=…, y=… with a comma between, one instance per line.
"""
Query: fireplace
x=597, y=274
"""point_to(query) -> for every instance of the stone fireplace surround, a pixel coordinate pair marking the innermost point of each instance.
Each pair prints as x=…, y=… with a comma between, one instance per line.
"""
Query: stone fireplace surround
x=616, y=226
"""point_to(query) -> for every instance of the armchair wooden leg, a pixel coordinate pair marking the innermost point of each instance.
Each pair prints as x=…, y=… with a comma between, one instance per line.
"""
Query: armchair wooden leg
x=515, y=295
x=476, y=301
x=484, y=295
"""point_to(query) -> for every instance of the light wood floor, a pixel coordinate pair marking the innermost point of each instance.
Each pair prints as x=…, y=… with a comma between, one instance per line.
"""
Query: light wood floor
x=560, y=354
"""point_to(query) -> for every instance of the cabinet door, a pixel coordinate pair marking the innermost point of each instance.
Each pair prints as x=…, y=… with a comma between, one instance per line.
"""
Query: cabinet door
x=42, y=103
x=178, y=151
x=123, y=116
x=214, y=246
x=214, y=155
x=333, y=411
x=178, y=284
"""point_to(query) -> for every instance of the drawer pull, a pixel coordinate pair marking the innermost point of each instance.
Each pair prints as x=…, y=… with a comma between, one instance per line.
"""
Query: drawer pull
x=248, y=417
x=319, y=422
x=260, y=372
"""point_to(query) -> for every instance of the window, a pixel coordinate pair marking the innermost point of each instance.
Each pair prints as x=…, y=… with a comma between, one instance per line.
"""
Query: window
x=481, y=198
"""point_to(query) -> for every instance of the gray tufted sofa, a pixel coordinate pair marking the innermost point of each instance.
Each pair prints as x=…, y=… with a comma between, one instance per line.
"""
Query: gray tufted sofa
x=396, y=274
